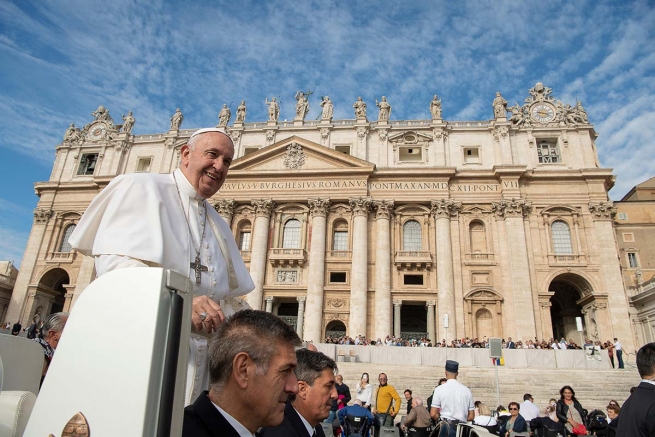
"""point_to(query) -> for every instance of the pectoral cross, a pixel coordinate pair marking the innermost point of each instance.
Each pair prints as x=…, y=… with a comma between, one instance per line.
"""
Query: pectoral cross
x=198, y=267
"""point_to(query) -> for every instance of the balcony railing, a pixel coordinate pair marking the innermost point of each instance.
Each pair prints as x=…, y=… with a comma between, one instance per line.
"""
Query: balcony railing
x=566, y=260
x=245, y=254
x=279, y=257
x=478, y=258
x=339, y=254
x=61, y=257
x=413, y=260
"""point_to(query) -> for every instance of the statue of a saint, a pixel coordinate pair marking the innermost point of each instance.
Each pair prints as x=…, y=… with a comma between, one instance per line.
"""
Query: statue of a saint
x=385, y=109
x=360, y=109
x=241, y=112
x=500, y=106
x=302, y=107
x=273, y=109
x=128, y=122
x=224, y=115
x=176, y=119
x=581, y=114
x=435, y=108
x=328, y=108
x=72, y=134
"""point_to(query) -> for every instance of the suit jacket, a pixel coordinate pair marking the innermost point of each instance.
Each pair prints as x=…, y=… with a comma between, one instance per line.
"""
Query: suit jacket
x=638, y=413
x=15, y=330
x=511, y=345
x=291, y=426
x=202, y=419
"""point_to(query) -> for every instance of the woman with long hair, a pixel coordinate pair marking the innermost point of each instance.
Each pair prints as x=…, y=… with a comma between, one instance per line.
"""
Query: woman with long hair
x=365, y=391
x=569, y=411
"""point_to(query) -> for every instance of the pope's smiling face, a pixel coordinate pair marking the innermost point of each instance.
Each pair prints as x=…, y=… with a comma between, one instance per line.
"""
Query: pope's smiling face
x=205, y=163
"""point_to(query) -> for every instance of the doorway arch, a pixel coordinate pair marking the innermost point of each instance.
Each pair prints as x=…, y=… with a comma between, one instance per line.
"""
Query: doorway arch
x=335, y=329
x=568, y=291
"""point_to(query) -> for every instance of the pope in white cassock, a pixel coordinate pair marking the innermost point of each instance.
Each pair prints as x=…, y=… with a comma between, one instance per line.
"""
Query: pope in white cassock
x=164, y=220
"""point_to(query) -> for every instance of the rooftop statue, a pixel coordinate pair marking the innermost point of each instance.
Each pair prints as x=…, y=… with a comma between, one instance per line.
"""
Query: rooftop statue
x=360, y=109
x=328, y=108
x=224, y=115
x=435, y=108
x=241, y=112
x=302, y=107
x=273, y=109
x=128, y=122
x=385, y=109
x=500, y=106
x=176, y=119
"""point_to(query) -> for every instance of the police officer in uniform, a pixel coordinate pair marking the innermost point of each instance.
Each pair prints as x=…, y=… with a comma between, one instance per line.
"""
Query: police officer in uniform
x=452, y=402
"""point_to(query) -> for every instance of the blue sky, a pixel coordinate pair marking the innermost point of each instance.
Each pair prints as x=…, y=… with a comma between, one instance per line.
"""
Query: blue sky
x=61, y=59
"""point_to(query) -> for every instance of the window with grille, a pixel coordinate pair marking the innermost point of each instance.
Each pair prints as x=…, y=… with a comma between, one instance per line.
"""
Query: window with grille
x=340, y=240
x=291, y=237
x=548, y=153
x=65, y=245
x=561, y=238
x=412, y=235
x=632, y=260
x=244, y=240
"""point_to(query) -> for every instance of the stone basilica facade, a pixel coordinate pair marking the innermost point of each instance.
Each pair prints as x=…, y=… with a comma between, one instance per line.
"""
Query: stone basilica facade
x=374, y=227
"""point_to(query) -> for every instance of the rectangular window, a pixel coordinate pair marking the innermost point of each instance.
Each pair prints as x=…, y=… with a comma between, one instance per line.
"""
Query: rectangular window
x=628, y=237
x=87, y=164
x=471, y=155
x=623, y=216
x=410, y=154
x=338, y=277
x=340, y=240
x=244, y=241
x=249, y=150
x=343, y=148
x=548, y=152
x=413, y=279
x=143, y=164
x=632, y=260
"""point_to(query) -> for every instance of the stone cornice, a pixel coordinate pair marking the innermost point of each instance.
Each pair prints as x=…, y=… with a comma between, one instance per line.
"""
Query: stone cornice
x=318, y=207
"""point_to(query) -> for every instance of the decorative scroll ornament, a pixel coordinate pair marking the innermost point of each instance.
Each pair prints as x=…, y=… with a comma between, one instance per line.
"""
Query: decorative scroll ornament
x=325, y=133
x=500, y=131
x=542, y=109
x=295, y=158
x=318, y=207
x=263, y=207
x=337, y=303
x=445, y=208
x=440, y=133
x=235, y=135
x=77, y=426
x=225, y=207
x=362, y=132
x=42, y=215
x=383, y=208
x=170, y=142
x=511, y=208
x=602, y=210
x=360, y=206
x=382, y=133
x=270, y=135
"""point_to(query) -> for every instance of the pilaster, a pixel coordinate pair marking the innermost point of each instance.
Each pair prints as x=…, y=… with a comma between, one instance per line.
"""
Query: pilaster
x=382, y=268
x=263, y=209
x=316, y=281
x=359, y=276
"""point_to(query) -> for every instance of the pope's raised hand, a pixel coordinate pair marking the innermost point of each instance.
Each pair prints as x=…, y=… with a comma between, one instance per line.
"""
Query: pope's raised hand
x=206, y=314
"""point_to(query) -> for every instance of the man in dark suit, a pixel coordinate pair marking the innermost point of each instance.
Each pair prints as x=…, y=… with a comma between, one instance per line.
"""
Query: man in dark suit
x=638, y=412
x=316, y=391
x=251, y=370
x=510, y=344
x=15, y=330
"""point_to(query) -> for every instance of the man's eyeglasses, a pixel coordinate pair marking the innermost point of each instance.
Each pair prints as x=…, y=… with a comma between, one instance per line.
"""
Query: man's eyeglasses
x=513, y=409
x=383, y=379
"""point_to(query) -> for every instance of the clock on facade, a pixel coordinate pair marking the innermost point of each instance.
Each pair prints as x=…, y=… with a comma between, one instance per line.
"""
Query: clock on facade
x=543, y=113
x=97, y=131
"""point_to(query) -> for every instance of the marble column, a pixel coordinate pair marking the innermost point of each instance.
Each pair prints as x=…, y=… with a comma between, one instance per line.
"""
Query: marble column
x=301, y=316
x=513, y=212
x=20, y=296
x=358, y=272
x=225, y=208
x=431, y=320
x=382, y=268
x=397, y=305
x=443, y=210
x=316, y=281
x=263, y=209
x=603, y=214
x=269, y=303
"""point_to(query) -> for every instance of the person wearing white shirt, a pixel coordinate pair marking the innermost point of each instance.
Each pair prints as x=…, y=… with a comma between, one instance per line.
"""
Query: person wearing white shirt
x=618, y=349
x=452, y=401
x=528, y=409
x=364, y=391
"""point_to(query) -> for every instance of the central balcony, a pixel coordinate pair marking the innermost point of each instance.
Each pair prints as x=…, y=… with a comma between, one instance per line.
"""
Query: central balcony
x=280, y=257
x=413, y=260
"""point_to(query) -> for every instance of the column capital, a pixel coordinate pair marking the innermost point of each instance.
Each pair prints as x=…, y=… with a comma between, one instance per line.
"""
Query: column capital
x=42, y=215
x=431, y=303
x=397, y=302
x=602, y=210
x=445, y=208
x=360, y=205
x=383, y=209
x=511, y=208
x=269, y=298
x=263, y=207
x=318, y=207
x=301, y=299
x=440, y=133
x=225, y=206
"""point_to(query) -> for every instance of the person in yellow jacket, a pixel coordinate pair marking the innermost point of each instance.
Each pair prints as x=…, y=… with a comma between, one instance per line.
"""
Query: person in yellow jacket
x=387, y=404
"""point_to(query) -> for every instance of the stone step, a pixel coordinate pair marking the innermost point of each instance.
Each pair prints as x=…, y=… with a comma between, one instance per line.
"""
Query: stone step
x=593, y=388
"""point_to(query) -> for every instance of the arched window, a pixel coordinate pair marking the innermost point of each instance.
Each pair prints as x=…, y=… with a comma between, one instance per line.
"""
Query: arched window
x=561, y=238
x=291, y=236
x=412, y=235
x=65, y=245
x=340, y=236
x=245, y=232
x=478, y=237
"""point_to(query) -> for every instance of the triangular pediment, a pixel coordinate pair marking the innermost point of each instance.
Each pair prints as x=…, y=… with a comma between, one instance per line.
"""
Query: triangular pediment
x=297, y=155
x=410, y=137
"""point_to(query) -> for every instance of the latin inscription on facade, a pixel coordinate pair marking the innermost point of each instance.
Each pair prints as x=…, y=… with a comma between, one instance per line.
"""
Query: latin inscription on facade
x=372, y=186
